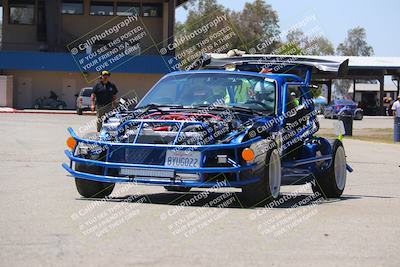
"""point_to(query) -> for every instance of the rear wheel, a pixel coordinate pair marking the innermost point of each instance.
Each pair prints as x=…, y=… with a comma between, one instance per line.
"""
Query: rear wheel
x=177, y=189
x=60, y=107
x=331, y=183
x=79, y=111
x=89, y=188
x=359, y=116
x=267, y=189
x=36, y=106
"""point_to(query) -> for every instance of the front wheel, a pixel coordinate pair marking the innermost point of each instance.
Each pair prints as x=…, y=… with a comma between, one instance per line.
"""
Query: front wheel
x=89, y=188
x=267, y=189
x=60, y=107
x=79, y=111
x=36, y=106
x=331, y=183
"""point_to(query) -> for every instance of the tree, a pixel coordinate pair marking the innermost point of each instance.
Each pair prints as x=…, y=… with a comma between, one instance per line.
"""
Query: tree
x=198, y=34
x=355, y=44
x=316, y=45
x=257, y=23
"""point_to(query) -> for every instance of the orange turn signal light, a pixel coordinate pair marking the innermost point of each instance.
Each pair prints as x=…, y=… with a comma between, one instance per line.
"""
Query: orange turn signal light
x=247, y=154
x=71, y=143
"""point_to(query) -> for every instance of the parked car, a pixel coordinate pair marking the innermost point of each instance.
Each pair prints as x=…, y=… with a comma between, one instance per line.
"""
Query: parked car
x=83, y=100
x=192, y=131
x=51, y=102
x=336, y=108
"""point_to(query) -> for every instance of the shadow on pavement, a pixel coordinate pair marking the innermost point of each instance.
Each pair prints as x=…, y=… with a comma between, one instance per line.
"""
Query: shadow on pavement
x=223, y=200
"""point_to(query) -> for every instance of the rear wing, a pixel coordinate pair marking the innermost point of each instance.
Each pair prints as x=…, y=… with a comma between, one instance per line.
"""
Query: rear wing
x=318, y=65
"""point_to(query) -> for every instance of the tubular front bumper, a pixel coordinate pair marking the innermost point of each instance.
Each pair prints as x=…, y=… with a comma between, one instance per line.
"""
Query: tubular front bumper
x=235, y=167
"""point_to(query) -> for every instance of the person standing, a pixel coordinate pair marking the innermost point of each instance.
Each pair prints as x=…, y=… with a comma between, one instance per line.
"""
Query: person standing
x=396, y=108
x=104, y=92
x=396, y=115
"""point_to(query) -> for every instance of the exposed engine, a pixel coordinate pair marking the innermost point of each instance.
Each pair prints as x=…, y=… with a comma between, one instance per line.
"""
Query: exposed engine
x=163, y=128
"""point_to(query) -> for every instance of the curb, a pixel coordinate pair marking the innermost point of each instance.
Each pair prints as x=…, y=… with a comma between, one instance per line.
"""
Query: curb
x=48, y=112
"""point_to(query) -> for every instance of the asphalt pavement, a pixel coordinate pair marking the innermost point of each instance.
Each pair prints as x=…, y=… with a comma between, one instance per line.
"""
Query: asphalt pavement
x=44, y=222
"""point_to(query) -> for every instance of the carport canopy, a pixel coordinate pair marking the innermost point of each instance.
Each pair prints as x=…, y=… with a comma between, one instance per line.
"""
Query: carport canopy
x=364, y=68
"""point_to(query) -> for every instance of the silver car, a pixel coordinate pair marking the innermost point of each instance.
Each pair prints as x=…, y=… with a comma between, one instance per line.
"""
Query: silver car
x=83, y=100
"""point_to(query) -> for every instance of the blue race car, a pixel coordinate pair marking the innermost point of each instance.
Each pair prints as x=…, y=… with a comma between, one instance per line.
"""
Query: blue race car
x=224, y=125
x=337, y=107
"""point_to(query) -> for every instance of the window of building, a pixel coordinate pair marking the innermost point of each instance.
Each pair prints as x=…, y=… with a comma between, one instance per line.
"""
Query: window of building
x=72, y=7
x=102, y=8
x=22, y=11
x=152, y=10
x=128, y=9
x=41, y=29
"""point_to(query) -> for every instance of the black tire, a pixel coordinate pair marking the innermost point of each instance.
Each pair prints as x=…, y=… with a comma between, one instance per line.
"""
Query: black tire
x=260, y=192
x=177, y=188
x=359, y=116
x=92, y=189
x=79, y=111
x=36, y=106
x=60, y=107
x=326, y=183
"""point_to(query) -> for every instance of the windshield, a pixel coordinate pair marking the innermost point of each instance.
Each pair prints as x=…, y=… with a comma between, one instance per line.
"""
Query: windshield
x=197, y=89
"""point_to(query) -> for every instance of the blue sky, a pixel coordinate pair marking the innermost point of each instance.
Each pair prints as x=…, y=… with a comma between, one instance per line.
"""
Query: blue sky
x=336, y=17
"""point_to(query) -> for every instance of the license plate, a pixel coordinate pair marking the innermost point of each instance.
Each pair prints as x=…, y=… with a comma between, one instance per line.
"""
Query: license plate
x=183, y=159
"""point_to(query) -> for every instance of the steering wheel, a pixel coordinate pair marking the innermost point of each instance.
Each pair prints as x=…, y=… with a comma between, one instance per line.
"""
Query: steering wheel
x=257, y=103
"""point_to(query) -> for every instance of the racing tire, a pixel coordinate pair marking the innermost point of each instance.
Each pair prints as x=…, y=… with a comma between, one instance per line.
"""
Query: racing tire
x=177, y=189
x=89, y=188
x=79, y=111
x=267, y=189
x=331, y=182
